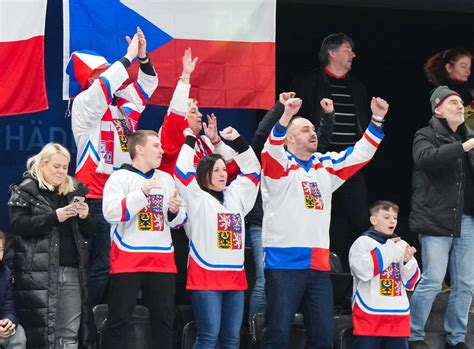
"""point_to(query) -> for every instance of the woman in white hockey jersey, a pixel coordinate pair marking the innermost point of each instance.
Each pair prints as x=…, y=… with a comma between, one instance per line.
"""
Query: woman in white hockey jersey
x=216, y=230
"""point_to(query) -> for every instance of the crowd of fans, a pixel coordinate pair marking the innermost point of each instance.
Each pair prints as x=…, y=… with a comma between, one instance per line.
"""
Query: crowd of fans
x=160, y=213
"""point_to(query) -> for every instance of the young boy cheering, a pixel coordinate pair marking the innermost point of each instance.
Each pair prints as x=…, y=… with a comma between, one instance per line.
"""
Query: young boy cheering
x=383, y=268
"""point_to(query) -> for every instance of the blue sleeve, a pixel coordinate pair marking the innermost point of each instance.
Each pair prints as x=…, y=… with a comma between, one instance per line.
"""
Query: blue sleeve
x=7, y=304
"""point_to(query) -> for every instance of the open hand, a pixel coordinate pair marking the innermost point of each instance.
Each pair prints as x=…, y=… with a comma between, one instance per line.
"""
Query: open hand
x=210, y=129
x=141, y=43
x=189, y=63
x=132, y=50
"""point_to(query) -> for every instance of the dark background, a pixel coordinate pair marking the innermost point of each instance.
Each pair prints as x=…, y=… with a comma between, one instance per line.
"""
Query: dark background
x=392, y=40
x=391, y=45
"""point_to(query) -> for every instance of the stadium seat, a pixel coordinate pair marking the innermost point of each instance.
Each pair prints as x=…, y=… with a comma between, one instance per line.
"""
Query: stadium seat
x=190, y=333
x=140, y=322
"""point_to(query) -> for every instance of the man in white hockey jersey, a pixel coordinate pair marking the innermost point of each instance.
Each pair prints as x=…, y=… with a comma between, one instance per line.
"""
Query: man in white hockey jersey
x=141, y=204
x=297, y=187
x=103, y=117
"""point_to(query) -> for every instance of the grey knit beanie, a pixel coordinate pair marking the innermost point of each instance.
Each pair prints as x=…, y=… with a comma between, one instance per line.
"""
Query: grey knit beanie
x=439, y=95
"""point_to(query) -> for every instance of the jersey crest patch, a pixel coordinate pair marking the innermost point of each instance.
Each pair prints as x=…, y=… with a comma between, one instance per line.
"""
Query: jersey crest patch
x=312, y=196
x=229, y=231
x=390, y=281
x=151, y=217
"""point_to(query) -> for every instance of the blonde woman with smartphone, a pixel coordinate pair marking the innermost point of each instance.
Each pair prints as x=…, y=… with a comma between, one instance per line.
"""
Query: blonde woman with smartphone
x=51, y=224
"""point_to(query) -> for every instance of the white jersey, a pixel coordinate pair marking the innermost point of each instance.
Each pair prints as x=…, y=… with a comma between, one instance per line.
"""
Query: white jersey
x=102, y=119
x=216, y=230
x=297, y=199
x=140, y=230
x=380, y=305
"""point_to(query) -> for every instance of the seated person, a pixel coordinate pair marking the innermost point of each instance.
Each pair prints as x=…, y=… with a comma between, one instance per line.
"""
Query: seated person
x=12, y=335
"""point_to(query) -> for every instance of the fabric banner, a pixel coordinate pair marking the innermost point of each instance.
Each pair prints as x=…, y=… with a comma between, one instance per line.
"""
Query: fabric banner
x=22, y=78
x=234, y=40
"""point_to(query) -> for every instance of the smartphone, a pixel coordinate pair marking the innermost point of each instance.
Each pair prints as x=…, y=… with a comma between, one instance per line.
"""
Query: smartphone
x=77, y=199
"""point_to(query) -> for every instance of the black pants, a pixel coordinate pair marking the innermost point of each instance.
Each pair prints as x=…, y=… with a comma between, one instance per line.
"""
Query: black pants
x=349, y=216
x=181, y=251
x=158, y=296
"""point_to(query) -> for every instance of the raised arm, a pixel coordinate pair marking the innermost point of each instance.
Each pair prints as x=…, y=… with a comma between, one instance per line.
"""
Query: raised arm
x=343, y=165
x=179, y=101
x=268, y=121
x=185, y=173
x=175, y=122
x=90, y=105
x=245, y=186
x=133, y=99
x=274, y=158
x=326, y=124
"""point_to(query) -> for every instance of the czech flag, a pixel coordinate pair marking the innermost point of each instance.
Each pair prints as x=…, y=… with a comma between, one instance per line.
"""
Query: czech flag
x=234, y=40
x=22, y=79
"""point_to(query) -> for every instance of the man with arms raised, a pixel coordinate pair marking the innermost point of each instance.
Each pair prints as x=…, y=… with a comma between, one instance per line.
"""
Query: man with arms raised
x=297, y=187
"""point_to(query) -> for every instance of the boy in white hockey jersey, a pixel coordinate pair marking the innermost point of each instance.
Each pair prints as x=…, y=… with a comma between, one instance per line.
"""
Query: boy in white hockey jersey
x=383, y=268
x=141, y=203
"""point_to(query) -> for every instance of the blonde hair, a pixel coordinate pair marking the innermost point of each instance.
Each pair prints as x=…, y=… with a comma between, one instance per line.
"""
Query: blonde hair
x=192, y=103
x=34, y=167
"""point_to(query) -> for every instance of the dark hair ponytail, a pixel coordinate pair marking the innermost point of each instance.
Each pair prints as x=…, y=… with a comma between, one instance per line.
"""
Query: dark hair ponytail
x=435, y=66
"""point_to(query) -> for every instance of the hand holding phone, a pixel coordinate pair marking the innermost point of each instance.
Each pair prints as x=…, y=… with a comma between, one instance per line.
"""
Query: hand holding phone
x=77, y=199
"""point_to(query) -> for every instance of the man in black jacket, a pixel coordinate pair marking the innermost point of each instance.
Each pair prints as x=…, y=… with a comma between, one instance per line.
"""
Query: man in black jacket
x=332, y=80
x=443, y=216
x=12, y=335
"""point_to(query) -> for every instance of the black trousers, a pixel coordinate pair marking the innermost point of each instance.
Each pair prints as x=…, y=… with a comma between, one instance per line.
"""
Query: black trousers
x=181, y=251
x=349, y=216
x=158, y=296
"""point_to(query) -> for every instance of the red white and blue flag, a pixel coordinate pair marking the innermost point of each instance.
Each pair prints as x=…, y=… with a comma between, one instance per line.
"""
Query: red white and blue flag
x=22, y=80
x=234, y=40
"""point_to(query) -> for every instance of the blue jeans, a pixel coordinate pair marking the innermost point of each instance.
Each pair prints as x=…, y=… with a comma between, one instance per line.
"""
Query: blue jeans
x=99, y=255
x=439, y=253
x=218, y=315
x=366, y=342
x=286, y=289
x=253, y=238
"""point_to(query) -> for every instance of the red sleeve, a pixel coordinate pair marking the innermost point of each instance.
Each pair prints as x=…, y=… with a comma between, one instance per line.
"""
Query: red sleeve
x=172, y=139
x=232, y=170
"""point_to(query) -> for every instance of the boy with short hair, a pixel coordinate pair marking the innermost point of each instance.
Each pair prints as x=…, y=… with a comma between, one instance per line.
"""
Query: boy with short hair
x=12, y=335
x=383, y=268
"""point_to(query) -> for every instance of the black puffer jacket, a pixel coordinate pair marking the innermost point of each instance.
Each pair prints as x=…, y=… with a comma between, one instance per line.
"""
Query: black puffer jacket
x=439, y=179
x=36, y=262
